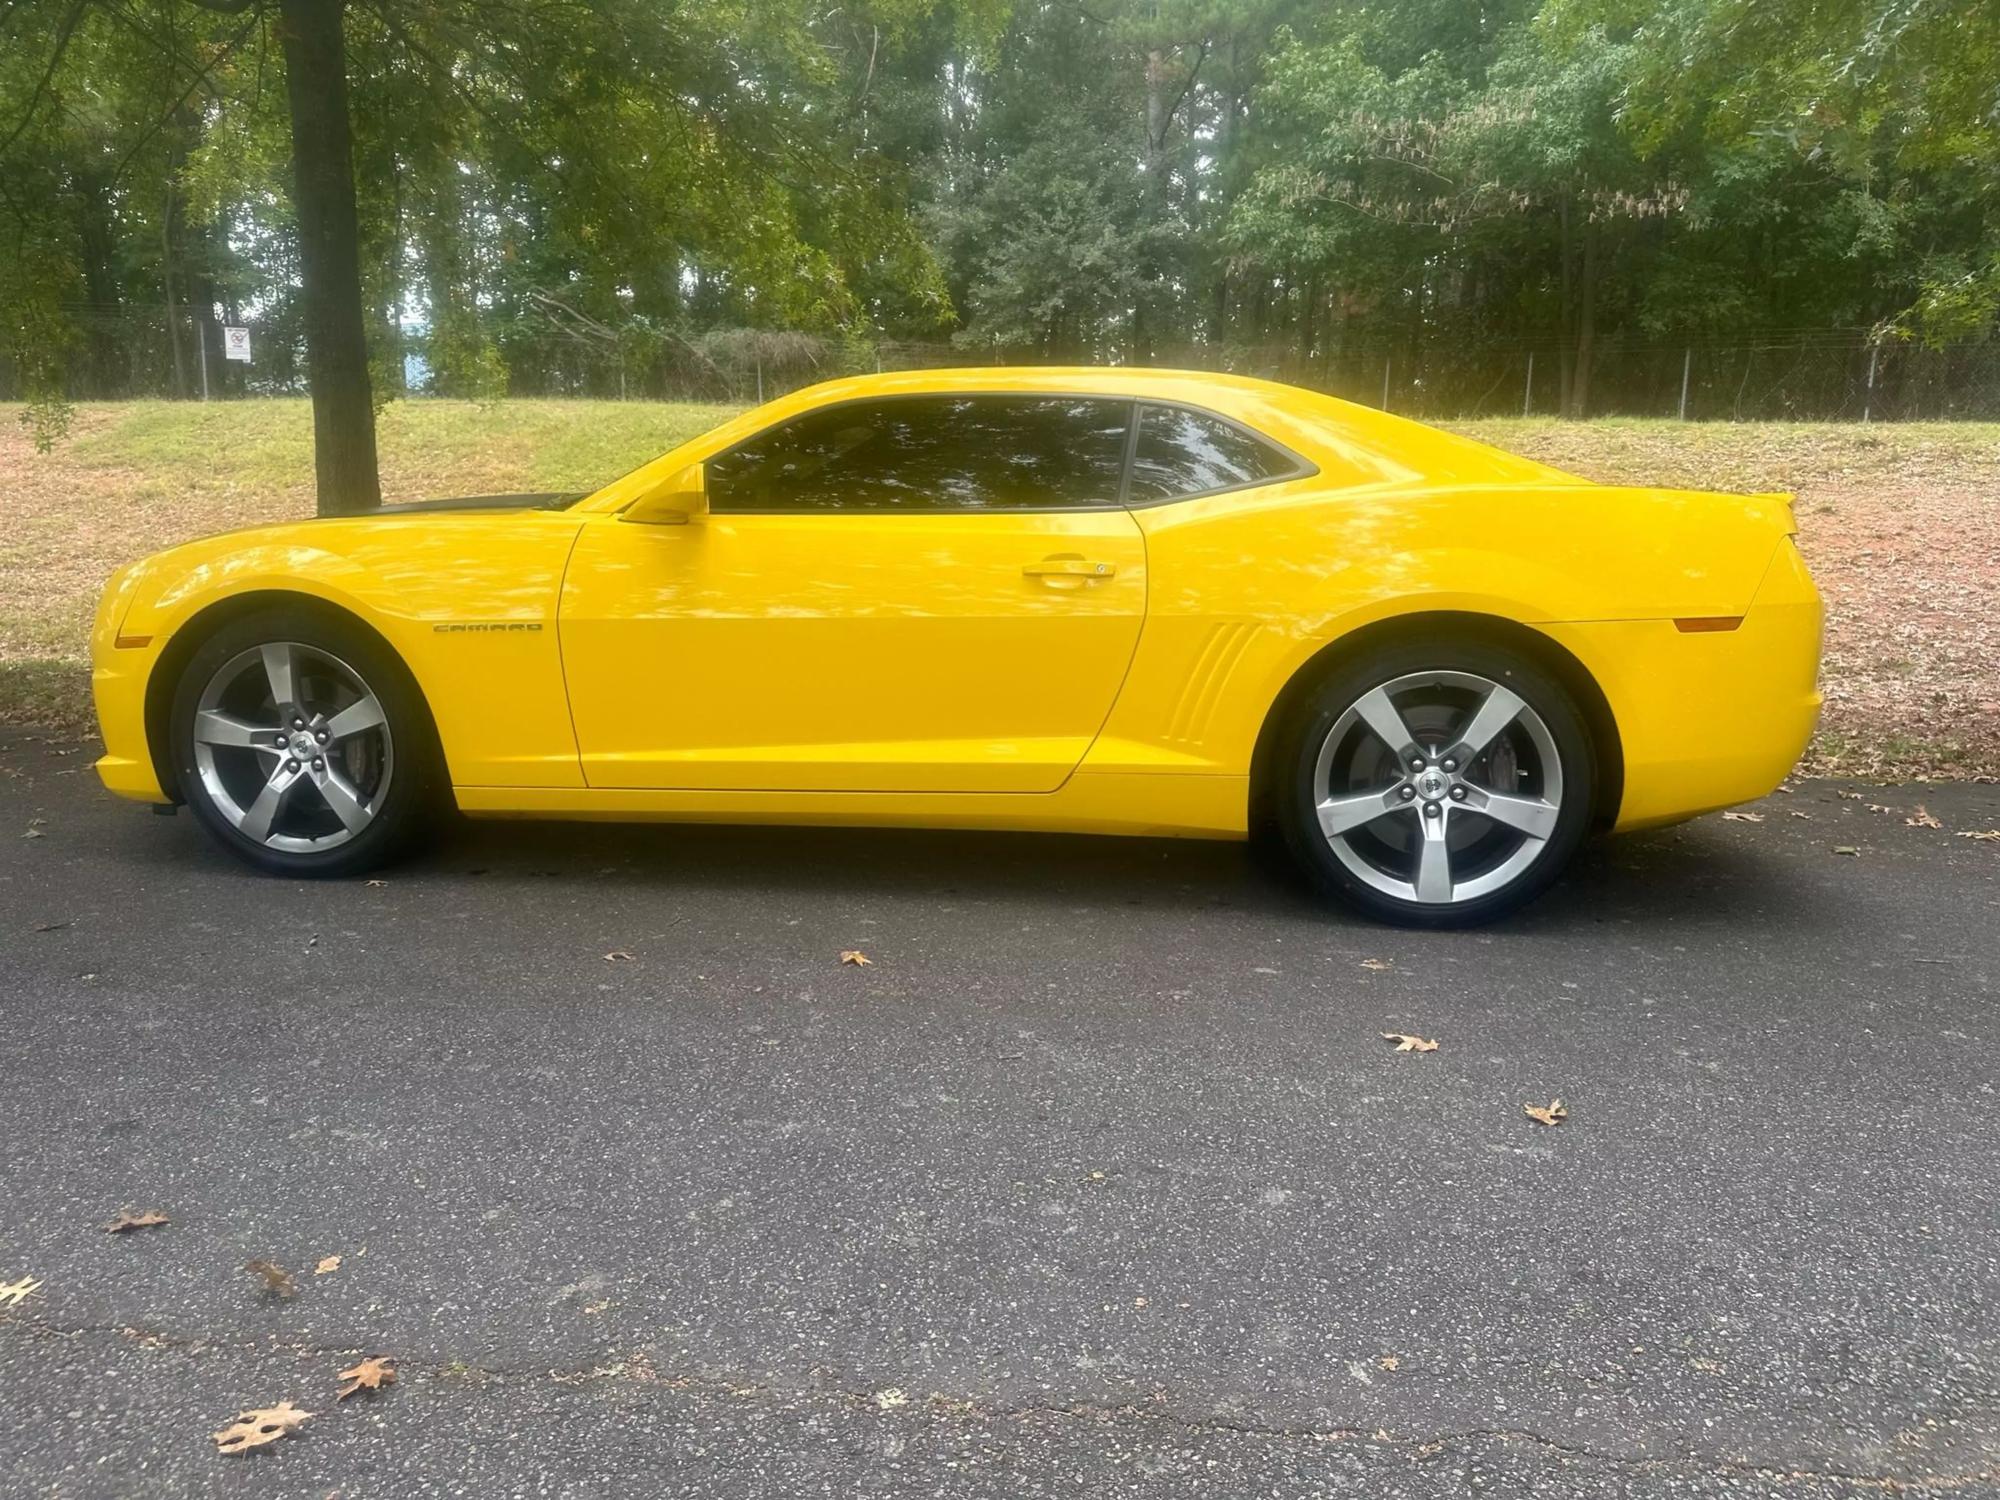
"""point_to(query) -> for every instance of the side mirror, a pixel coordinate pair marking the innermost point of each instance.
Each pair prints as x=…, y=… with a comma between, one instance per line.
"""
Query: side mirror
x=675, y=501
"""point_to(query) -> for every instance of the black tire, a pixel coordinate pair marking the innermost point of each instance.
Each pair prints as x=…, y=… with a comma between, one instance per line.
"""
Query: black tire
x=1305, y=759
x=414, y=790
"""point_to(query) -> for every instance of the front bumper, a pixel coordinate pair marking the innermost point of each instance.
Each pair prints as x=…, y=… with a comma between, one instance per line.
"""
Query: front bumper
x=118, y=678
x=1713, y=718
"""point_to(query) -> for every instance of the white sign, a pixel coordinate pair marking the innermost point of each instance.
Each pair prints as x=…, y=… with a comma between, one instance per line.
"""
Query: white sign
x=236, y=344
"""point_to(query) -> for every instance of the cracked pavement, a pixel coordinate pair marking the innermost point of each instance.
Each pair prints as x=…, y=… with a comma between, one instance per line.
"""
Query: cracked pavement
x=1098, y=1180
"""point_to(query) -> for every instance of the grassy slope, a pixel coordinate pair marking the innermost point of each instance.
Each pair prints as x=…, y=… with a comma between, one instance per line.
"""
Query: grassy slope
x=1902, y=524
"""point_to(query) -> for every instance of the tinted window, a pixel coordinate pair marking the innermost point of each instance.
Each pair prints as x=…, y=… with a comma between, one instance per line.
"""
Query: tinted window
x=931, y=453
x=1183, y=452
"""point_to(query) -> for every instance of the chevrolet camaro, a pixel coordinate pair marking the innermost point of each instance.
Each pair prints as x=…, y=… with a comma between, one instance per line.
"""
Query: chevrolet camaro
x=1099, y=600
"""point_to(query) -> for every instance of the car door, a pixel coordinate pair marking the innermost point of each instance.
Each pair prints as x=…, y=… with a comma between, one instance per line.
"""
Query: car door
x=905, y=593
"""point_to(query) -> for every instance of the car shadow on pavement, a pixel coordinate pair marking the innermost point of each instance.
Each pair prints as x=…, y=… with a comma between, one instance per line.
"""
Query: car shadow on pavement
x=1645, y=878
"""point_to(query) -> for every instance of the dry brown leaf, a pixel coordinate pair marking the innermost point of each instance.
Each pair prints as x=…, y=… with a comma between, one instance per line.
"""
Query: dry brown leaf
x=1407, y=1043
x=1554, y=1114
x=1743, y=817
x=369, y=1375
x=618, y=956
x=1798, y=814
x=1379, y=965
x=277, y=1280
x=1389, y=1362
x=16, y=1294
x=1923, y=819
x=1982, y=835
x=1848, y=796
x=328, y=1264
x=1847, y=849
x=855, y=957
x=1880, y=807
x=255, y=1428
x=376, y=885
x=145, y=1218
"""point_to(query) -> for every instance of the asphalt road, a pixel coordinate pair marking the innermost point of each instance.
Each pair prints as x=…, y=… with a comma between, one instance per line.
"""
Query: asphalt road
x=1098, y=1180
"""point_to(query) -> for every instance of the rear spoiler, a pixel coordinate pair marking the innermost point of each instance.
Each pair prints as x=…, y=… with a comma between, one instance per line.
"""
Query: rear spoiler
x=1788, y=500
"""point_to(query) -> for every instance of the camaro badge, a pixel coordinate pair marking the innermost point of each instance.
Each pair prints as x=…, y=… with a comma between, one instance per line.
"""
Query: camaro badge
x=458, y=625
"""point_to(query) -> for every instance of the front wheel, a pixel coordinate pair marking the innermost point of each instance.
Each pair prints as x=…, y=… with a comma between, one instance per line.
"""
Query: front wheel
x=303, y=746
x=1437, y=784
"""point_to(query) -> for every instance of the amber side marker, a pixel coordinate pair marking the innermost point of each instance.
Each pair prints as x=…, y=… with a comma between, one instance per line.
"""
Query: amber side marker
x=131, y=642
x=1697, y=623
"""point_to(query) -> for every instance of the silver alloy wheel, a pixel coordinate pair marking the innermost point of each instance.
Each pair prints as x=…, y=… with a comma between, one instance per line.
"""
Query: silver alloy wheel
x=293, y=747
x=1438, y=787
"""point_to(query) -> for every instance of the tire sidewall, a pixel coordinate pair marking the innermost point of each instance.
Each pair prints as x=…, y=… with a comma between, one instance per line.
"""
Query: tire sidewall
x=414, y=783
x=1345, y=684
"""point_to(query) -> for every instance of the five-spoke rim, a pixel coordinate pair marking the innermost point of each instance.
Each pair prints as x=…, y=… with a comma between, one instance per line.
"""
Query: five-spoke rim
x=1438, y=787
x=292, y=747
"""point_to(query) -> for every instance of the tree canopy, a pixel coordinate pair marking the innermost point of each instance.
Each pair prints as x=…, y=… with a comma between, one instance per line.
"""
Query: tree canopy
x=640, y=196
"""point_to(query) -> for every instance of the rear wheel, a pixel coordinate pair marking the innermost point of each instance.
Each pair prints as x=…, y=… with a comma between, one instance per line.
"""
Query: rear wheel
x=1437, y=783
x=302, y=745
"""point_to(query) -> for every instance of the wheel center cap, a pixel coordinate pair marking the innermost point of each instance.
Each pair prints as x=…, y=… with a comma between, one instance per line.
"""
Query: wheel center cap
x=1432, y=784
x=304, y=747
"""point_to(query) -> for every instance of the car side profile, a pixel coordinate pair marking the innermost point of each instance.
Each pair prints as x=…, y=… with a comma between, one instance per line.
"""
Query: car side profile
x=1083, y=600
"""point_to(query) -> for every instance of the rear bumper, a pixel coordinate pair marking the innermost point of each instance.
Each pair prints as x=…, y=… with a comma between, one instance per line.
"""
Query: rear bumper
x=1712, y=718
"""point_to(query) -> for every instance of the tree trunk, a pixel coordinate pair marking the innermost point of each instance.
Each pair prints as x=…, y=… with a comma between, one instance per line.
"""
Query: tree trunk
x=330, y=257
x=1586, y=323
x=1564, y=319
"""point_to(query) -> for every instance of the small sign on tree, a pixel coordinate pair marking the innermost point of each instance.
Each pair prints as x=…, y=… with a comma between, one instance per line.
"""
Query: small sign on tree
x=236, y=344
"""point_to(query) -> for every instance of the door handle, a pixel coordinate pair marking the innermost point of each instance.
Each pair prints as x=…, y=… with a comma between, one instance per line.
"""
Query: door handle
x=1069, y=567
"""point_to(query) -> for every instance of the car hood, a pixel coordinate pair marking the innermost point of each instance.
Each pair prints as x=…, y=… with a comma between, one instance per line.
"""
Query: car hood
x=539, y=501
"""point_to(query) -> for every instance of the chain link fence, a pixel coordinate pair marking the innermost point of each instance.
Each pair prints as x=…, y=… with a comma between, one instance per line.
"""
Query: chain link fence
x=1822, y=375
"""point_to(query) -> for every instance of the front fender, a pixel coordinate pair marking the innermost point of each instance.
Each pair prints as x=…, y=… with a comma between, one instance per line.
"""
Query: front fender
x=468, y=602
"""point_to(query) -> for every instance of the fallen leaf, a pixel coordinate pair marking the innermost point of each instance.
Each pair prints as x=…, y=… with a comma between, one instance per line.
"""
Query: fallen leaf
x=1379, y=965
x=277, y=1280
x=15, y=1295
x=595, y=1308
x=1743, y=817
x=327, y=1266
x=1407, y=1043
x=369, y=1375
x=1555, y=1114
x=1923, y=819
x=1983, y=835
x=254, y=1428
x=32, y=833
x=1389, y=1362
x=1848, y=796
x=855, y=957
x=54, y=926
x=1880, y=807
x=145, y=1218
x=1847, y=849
x=377, y=885
x=1798, y=814
x=890, y=1399
x=618, y=956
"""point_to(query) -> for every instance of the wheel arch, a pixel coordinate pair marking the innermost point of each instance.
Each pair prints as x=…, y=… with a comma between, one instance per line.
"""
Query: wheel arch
x=204, y=623
x=1550, y=654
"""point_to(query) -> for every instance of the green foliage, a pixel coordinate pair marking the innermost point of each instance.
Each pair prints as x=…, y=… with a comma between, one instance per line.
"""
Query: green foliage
x=647, y=197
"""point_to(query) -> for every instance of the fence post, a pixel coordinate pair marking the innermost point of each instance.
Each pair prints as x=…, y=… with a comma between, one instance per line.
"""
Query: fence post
x=1385, y=381
x=1528, y=396
x=201, y=344
x=760, y=380
x=1687, y=364
x=1868, y=399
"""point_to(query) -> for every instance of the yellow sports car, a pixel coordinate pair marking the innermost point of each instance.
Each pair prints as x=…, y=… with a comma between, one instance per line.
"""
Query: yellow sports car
x=1105, y=600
